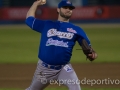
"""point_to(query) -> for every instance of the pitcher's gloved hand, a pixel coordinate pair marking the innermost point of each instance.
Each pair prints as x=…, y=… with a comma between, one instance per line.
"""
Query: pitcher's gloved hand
x=88, y=51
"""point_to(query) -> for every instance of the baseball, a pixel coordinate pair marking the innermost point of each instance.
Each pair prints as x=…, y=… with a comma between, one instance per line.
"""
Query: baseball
x=43, y=1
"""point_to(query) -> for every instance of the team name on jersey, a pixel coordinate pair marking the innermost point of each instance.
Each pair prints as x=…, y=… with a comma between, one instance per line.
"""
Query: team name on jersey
x=54, y=32
x=50, y=42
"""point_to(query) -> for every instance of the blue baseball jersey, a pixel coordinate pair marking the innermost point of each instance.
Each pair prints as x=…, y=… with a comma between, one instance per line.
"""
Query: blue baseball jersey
x=57, y=39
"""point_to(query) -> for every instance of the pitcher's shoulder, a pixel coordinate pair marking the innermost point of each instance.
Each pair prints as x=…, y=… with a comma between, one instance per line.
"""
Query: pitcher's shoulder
x=75, y=26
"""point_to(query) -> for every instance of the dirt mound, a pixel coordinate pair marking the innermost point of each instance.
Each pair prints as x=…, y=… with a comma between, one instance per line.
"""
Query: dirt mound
x=100, y=75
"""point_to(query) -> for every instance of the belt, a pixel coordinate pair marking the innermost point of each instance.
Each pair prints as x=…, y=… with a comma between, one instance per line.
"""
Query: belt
x=56, y=67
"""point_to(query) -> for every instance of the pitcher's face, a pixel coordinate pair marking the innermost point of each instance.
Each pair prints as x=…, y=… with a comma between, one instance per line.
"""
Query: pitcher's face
x=65, y=12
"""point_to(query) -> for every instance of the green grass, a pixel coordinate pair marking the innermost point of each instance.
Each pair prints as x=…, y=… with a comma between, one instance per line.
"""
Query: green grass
x=105, y=41
x=20, y=44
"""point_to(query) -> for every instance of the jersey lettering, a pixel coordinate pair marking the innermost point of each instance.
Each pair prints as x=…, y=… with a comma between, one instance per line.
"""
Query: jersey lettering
x=50, y=41
x=54, y=32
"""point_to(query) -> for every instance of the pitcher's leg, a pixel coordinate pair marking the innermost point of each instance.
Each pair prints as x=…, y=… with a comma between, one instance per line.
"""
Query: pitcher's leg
x=42, y=77
x=69, y=78
x=39, y=81
x=37, y=85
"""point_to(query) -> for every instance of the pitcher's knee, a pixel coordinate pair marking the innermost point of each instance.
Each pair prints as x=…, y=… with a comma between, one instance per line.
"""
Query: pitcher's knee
x=74, y=87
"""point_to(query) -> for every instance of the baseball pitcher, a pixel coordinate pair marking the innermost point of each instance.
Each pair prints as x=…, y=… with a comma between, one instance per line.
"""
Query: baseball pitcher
x=57, y=41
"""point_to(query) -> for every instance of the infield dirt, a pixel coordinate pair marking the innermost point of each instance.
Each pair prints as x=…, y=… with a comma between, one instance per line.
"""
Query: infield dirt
x=20, y=75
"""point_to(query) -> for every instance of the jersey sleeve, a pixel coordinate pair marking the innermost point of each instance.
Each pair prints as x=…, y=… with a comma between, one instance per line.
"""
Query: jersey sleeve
x=35, y=24
x=82, y=35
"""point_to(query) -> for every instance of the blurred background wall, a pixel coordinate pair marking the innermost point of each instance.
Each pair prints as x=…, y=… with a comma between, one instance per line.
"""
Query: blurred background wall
x=87, y=11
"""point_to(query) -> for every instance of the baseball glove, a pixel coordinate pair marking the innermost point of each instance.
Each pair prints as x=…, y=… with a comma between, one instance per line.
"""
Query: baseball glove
x=88, y=51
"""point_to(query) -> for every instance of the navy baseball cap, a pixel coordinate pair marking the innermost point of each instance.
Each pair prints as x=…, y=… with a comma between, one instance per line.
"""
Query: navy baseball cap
x=64, y=3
